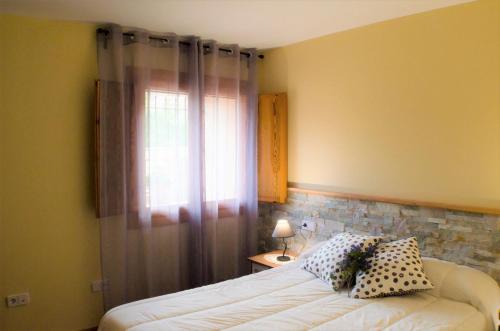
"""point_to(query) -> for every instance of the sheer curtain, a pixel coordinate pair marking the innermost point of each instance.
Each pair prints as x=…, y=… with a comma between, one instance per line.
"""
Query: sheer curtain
x=177, y=162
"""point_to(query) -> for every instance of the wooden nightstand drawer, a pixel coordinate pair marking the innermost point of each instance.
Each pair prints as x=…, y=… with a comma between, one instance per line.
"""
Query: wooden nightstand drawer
x=259, y=267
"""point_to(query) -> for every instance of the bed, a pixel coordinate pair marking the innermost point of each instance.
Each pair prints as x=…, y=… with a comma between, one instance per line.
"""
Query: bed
x=289, y=298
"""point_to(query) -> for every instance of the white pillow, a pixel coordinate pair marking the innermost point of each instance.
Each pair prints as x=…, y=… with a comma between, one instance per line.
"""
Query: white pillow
x=311, y=250
x=464, y=284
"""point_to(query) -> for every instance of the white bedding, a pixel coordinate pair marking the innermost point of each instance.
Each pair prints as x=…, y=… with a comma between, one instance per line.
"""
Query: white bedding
x=289, y=298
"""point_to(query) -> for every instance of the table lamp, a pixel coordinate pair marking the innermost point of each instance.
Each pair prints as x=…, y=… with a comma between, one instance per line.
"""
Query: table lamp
x=283, y=230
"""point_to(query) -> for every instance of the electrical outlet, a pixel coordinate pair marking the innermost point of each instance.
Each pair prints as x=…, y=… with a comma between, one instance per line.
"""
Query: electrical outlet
x=308, y=225
x=20, y=299
x=97, y=285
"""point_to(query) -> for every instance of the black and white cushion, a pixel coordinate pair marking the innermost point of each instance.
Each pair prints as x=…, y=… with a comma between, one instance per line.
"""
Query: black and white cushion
x=396, y=269
x=325, y=263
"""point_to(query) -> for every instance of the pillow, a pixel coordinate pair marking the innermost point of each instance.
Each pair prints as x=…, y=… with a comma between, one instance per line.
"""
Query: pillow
x=464, y=284
x=395, y=269
x=437, y=270
x=313, y=248
x=325, y=262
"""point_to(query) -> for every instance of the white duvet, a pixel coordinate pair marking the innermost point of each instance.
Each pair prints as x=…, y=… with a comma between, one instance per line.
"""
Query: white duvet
x=289, y=298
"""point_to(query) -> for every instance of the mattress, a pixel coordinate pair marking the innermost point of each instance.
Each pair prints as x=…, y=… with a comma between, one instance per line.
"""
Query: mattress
x=289, y=298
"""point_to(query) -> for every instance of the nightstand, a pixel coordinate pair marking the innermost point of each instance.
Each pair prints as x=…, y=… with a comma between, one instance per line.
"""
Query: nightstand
x=268, y=260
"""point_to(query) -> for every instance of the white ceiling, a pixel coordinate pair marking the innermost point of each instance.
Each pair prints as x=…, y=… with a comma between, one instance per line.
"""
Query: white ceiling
x=257, y=23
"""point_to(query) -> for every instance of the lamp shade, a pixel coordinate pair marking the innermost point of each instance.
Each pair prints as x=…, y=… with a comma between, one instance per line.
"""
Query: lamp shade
x=283, y=230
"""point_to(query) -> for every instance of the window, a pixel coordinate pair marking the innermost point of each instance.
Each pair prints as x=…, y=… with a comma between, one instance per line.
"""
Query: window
x=168, y=157
x=167, y=149
x=221, y=140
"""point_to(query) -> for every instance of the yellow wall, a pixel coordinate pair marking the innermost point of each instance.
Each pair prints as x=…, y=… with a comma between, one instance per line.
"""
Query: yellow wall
x=408, y=108
x=49, y=237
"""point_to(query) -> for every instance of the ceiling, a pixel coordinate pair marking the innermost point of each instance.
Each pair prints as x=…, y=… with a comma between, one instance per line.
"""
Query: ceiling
x=257, y=23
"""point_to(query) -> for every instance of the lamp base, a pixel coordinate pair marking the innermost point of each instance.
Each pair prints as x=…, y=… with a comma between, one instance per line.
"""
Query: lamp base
x=283, y=258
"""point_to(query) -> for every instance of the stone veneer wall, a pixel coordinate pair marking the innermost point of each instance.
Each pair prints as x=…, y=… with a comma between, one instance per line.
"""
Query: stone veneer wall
x=465, y=238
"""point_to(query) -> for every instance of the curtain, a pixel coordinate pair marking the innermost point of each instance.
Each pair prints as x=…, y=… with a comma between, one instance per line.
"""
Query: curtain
x=177, y=183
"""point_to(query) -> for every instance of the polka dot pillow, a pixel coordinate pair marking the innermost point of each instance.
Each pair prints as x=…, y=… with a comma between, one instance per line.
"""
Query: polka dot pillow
x=395, y=269
x=325, y=263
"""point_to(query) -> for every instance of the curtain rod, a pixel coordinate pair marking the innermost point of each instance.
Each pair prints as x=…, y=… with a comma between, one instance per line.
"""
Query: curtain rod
x=106, y=32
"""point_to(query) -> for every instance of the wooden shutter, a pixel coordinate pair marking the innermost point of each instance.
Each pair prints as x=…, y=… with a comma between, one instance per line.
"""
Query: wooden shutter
x=272, y=147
